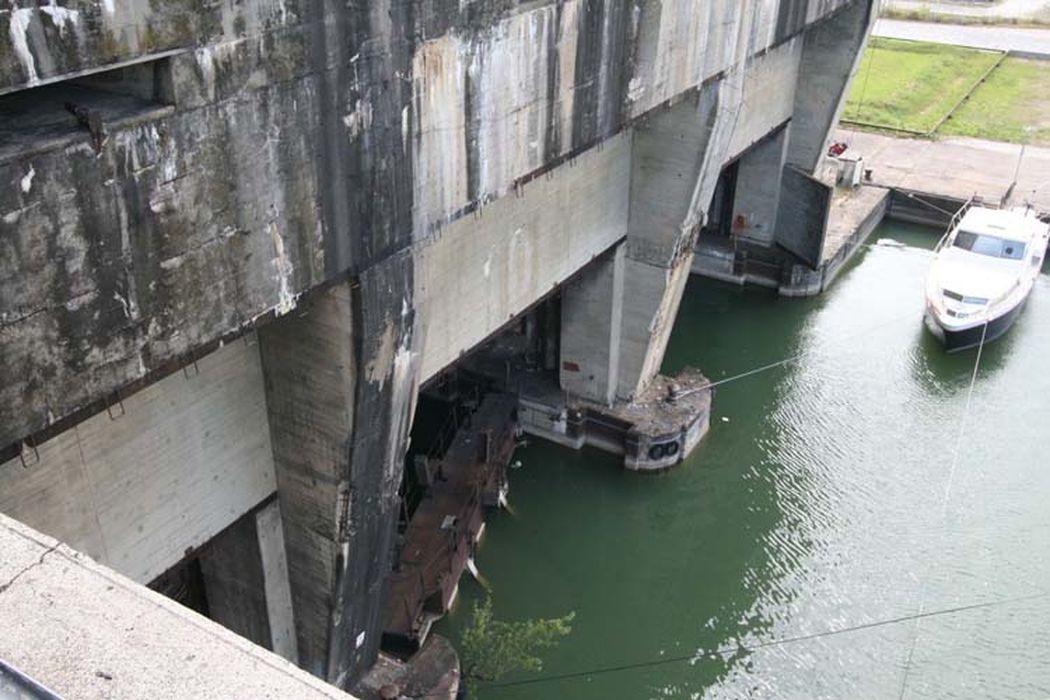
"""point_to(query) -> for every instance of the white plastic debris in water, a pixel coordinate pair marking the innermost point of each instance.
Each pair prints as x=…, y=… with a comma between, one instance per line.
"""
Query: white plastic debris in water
x=725, y=419
x=516, y=465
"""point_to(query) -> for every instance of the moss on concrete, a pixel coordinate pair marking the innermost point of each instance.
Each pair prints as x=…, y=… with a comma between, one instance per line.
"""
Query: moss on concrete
x=911, y=85
x=1012, y=105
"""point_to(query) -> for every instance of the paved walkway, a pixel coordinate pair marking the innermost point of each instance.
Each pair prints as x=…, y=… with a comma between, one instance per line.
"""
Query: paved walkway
x=959, y=167
x=1029, y=41
x=1007, y=9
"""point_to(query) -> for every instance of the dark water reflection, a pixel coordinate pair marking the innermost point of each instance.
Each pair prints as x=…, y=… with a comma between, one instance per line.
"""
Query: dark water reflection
x=820, y=501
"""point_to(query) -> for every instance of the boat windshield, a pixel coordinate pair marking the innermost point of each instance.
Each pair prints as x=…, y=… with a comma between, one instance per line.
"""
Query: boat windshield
x=983, y=244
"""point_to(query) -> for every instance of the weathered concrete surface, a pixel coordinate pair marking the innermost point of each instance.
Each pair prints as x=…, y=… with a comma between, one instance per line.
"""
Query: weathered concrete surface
x=476, y=274
x=235, y=583
x=341, y=381
x=829, y=61
x=322, y=139
x=158, y=474
x=391, y=182
x=246, y=581
x=310, y=381
x=677, y=158
x=87, y=632
x=802, y=224
x=591, y=323
x=758, y=185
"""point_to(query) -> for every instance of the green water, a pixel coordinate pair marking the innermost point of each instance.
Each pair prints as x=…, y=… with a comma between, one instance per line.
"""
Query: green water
x=819, y=501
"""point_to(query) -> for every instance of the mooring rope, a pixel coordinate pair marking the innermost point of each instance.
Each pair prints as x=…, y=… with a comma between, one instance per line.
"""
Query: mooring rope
x=964, y=419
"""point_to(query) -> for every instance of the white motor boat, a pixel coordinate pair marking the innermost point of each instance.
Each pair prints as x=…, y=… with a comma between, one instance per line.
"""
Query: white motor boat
x=984, y=269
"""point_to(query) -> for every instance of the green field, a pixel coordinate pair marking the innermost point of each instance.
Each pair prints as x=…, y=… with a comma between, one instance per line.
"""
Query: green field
x=1012, y=105
x=911, y=86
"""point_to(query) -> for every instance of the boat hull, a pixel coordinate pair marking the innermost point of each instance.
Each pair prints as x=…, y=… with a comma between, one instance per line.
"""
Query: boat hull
x=958, y=340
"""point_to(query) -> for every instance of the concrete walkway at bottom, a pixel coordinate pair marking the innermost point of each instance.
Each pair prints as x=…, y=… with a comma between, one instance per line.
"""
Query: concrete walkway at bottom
x=85, y=631
x=958, y=168
x=1020, y=40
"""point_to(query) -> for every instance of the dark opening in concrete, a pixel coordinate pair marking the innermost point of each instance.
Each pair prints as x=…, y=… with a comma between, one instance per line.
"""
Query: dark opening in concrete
x=83, y=107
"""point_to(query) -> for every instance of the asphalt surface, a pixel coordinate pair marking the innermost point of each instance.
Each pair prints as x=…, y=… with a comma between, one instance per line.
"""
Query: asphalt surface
x=1007, y=9
x=999, y=38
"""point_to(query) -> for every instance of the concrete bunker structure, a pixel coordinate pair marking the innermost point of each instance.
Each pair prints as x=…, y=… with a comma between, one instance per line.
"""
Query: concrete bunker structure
x=239, y=238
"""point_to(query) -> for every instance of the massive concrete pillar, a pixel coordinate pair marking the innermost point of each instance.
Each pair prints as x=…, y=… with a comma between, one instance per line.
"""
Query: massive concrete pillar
x=830, y=55
x=341, y=383
x=591, y=319
x=676, y=158
x=758, y=188
x=246, y=581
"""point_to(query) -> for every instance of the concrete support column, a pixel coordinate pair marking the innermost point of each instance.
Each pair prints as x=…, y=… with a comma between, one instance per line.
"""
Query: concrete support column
x=269, y=531
x=341, y=384
x=591, y=318
x=758, y=188
x=310, y=370
x=830, y=54
x=675, y=161
x=650, y=307
x=246, y=581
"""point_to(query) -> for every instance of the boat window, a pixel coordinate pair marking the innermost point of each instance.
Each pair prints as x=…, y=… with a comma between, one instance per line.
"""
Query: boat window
x=989, y=245
x=964, y=299
x=1014, y=250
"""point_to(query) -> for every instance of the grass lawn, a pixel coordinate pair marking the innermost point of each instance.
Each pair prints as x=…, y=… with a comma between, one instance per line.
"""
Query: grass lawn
x=911, y=85
x=1012, y=105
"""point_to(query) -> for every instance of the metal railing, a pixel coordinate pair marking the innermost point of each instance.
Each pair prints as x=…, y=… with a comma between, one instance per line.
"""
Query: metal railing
x=954, y=223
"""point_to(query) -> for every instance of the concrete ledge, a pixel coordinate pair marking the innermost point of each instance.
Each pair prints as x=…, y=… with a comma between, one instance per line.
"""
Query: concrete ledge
x=85, y=631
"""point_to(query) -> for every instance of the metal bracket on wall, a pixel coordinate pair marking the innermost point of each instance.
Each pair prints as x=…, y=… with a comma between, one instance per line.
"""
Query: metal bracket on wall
x=119, y=403
x=249, y=336
x=186, y=369
x=26, y=450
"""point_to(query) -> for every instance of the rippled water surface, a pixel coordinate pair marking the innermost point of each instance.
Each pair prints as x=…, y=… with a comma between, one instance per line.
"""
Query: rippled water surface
x=823, y=499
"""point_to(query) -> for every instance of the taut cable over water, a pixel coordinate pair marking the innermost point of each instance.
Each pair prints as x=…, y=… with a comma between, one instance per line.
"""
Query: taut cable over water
x=772, y=643
x=944, y=503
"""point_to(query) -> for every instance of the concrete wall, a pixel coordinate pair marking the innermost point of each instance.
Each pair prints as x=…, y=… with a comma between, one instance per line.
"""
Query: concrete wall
x=805, y=205
x=473, y=276
x=759, y=190
x=681, y=43
x=303, y=140
x=591, y=323
x=175, y=464
x=310, y=382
